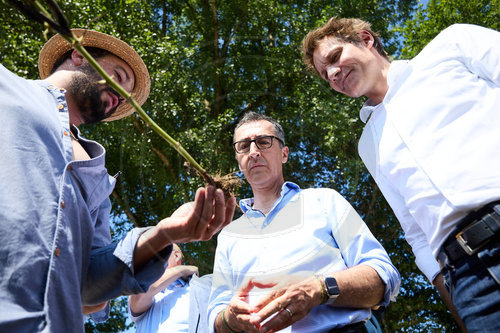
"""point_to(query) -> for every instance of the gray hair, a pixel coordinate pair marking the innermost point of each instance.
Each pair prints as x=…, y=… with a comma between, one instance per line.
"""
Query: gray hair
x=252, y=116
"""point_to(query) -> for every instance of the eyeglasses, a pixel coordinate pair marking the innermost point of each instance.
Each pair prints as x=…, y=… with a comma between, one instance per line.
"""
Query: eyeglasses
x=262, y=142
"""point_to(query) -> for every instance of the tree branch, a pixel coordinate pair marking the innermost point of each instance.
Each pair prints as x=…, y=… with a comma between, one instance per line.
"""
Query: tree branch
x=124, y=205
x=225, y=46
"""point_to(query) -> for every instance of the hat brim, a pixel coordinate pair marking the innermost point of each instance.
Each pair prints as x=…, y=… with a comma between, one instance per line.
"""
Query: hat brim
x=58, y=46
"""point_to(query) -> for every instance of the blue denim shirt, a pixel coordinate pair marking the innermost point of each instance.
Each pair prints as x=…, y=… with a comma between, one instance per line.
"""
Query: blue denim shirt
x=55, y=244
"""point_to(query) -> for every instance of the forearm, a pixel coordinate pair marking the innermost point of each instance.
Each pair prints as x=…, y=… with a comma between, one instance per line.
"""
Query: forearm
x=88, y=309
x=111, y=273
x=141, y=303
x=170, y=275
x=148, y=245
x=219, y=326
x=359, y=286
x=227, y=322
x=439, y=284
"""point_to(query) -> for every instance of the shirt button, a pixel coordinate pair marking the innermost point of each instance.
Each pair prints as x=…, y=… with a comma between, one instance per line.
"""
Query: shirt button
x=68, y=167
x=57, y=252
x=62, y=89
x=60, y=106
x=63, y=204
x=51, y=87
x=66, y=133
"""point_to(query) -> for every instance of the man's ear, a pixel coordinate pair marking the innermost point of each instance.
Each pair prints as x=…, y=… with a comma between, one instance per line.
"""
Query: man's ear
x=366, y=38
x=284, y=154
x=178, y=257
x=76, y=58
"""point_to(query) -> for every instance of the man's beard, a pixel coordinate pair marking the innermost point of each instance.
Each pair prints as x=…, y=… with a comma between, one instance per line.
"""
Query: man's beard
x=86, y=91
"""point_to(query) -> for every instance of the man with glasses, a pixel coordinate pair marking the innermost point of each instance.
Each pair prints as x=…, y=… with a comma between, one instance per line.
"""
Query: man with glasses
x=297, y=260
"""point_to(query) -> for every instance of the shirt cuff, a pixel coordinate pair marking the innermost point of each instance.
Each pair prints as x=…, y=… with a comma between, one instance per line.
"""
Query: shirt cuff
x=213, y=315
x=139, y=282
x=427, y=263
x=136, y=319
x=390, y=277
x=101, y=316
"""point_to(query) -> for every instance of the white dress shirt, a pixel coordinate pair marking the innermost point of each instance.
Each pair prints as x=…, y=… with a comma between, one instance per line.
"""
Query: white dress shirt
x=433, y=143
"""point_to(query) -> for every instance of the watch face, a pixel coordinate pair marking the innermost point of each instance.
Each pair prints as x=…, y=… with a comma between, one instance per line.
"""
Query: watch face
x=331, y=287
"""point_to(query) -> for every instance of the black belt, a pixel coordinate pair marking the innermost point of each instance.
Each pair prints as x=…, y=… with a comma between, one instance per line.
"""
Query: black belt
x=472, y=233
x=358, y=327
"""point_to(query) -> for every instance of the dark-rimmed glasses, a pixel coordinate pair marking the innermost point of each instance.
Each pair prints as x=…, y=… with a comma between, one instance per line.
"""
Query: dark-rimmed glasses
x=262, y=142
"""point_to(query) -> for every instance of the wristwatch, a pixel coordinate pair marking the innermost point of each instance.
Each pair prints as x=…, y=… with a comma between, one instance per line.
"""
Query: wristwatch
x=332, y=289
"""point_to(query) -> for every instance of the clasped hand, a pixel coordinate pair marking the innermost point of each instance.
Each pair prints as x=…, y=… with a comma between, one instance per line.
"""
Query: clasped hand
x=288, y=301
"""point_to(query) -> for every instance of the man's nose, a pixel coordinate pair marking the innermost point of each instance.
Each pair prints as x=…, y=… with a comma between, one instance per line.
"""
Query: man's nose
x=254, y=150
x=333, y=73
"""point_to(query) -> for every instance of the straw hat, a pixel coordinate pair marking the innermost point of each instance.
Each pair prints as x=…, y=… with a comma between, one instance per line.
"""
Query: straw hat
x=58, y=46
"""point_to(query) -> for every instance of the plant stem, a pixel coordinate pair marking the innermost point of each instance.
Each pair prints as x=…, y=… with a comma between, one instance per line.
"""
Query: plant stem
x=175, y=144
x=36, y=11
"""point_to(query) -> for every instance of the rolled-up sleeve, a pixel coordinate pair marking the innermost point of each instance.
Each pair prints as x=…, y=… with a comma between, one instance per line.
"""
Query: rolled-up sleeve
x=111, y=270
x=359, y=247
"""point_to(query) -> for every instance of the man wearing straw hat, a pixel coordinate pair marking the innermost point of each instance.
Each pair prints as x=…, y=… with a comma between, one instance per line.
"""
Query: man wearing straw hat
x=55, y=243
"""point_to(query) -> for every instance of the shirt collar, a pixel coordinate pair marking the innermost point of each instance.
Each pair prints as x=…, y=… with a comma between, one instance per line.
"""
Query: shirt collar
x=288, y=191
x=179, y=283
x=395, y=70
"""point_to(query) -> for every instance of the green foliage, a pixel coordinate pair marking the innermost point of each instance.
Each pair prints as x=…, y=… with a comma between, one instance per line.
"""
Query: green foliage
x=209, y=63
x=116, y=321
x=438, y=15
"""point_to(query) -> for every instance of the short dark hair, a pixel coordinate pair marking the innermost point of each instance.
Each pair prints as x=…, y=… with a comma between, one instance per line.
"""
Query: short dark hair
x=344, y=29
x=252, y=116
x=94, y=52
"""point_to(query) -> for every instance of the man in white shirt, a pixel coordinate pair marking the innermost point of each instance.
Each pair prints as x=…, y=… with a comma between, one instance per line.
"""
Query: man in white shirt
x=177, y=302
x=431, y=143
x=298, y=260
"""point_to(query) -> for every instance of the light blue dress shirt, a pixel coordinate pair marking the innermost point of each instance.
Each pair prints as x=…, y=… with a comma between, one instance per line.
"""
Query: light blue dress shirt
x=181, y=307
x=55, y=249
x=313, y=231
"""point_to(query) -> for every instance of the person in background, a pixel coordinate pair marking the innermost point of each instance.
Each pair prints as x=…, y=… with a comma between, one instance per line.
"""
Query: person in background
x=176, y=302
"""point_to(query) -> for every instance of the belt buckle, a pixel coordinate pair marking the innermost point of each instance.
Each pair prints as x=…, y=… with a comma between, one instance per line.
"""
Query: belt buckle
x=463, y=244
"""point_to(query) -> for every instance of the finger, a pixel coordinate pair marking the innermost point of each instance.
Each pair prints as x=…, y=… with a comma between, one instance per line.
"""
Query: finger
x=206, y=213
x=268, y=309
x=183, y=210
x=199, y=203
x=239, y=306
x=247, y=286
x=268, y=298
x=281, y=320
x=245, y=325
x=218, y=219
x=230, y=207
x=239, y=321
x=240, y=298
